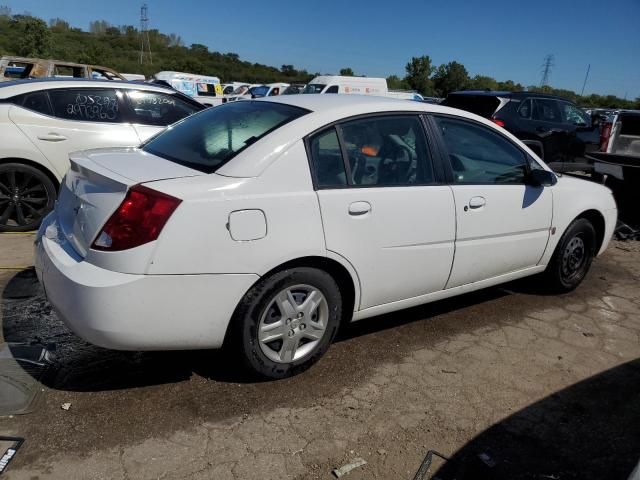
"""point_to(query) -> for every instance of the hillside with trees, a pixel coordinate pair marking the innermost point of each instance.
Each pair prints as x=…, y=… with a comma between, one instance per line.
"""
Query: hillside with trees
x=118, y=47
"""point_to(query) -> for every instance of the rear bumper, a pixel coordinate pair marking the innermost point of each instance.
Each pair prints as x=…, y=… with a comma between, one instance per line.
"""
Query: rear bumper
x=135, y=312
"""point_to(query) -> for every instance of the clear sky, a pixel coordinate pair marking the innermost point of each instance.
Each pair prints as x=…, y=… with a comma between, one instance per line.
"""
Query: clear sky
x=502, y=39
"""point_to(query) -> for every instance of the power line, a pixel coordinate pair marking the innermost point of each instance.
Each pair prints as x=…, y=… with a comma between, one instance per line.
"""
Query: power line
x=145, y=44
x=585, y=80
x=546, y=67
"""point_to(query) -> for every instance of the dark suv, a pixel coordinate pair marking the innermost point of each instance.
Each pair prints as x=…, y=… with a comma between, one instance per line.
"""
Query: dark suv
x=554, y=128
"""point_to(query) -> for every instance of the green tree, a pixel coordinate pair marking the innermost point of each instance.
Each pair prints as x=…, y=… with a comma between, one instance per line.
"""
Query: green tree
x=450, y=78
x=419, y=71
x=347, y=72
x=396, y=83
x=34, y=37
x=482, y=82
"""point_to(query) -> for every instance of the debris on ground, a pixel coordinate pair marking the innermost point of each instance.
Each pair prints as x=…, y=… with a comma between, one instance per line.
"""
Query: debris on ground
x=382, y=451
x=626, y=232
x=426, y=463
x=66, y=406
x=343, y=470
x=16, y=443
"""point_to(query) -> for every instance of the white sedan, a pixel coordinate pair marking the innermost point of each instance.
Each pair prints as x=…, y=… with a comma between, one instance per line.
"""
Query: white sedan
x=42, y=121
x=263, y=225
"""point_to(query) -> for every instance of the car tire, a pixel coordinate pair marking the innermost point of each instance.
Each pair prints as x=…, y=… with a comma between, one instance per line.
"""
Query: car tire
x=572, y=257
x=27, y=195
x=276, y=333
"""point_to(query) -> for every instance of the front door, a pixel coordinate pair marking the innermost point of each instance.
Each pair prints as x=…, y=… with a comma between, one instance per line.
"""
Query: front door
x=503, y=223
x=382, y=208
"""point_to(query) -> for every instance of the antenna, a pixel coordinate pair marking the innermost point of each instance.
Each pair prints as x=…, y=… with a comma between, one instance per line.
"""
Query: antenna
x=546, y=69
x=145, y=44
x=585, y=80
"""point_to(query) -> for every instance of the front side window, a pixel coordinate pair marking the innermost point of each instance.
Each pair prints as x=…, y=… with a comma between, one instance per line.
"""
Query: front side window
x=206, y=89
x=87, y=105
x=151, y=108
x=332, y=89
x=258, y=92
x=479, y=155
x=210, y=139
x=546, y=111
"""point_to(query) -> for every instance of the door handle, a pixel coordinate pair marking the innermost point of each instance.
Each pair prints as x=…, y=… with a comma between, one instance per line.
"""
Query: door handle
x=477, y=202
x=359, y=208
x=52, y=137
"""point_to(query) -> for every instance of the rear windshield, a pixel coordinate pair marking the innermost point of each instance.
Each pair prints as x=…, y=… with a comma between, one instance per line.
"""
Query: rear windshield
x=210, y=139
x=483, y=105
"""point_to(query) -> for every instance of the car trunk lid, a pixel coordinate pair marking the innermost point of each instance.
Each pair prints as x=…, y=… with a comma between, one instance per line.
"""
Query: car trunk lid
x=96, y=184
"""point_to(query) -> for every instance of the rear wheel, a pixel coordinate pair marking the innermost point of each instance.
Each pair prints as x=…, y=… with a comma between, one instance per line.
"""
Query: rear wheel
x=26, y=196
x=572, y=258
x=287, y=321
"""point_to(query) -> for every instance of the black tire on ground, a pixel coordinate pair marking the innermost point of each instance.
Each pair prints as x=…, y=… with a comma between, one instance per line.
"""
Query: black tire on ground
x=27, y=195
x=572, y=258
x=262, y=312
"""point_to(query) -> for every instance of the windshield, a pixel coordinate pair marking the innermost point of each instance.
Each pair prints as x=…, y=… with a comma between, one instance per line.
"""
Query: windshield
x=240, y=90
x=210, y=139
x=313, y=88
x=260, y=91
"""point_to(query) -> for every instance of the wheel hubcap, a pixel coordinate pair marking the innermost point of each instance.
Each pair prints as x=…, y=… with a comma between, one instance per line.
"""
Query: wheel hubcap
x=293, y=323
x=23, y=198
x=574, y=257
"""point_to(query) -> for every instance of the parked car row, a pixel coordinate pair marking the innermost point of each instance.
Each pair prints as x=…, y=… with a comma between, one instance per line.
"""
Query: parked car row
x=42, y=121
x=263, y=225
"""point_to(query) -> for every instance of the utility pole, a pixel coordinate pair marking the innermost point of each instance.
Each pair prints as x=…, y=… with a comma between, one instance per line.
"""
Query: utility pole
x=546, y=70
x=585, y=80
x=145, y=44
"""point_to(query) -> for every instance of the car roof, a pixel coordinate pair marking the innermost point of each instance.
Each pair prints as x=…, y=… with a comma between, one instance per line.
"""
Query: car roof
x=506, y=94
x=17, y=87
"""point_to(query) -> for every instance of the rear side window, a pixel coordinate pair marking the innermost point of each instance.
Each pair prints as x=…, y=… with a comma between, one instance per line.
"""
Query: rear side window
x=483, y=105
x=525, y=109
x=546, y=111
x=160, y=109
x=328, y=164
x=479, y=155
x=210, y=139
x=35, y=101
x=87, y=105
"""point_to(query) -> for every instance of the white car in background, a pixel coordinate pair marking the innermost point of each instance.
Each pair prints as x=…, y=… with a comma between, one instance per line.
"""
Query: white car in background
x=42, y=121
x=262, y=225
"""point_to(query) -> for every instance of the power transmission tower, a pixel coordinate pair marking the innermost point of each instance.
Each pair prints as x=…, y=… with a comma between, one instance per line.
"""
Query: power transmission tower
x=145, y=44
x=546, y=70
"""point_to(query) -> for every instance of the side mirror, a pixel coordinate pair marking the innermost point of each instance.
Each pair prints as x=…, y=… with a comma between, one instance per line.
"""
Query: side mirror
x=542, y=178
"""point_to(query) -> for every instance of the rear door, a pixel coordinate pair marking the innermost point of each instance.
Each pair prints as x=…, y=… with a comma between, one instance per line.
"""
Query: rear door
x=547, y=123
x=75, y=119
x=502, y=223
x=382, y=207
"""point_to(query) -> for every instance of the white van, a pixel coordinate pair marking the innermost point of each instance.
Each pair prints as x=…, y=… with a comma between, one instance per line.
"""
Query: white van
x=230, y=87
x=206, y=90
x=258, y=91
x=349, y=85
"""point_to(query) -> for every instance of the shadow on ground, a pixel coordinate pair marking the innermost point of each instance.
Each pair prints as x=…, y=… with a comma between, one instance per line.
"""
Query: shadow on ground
x=79, y=366
x=590, y=430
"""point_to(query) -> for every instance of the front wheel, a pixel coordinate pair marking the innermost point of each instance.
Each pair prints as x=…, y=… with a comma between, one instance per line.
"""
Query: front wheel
x=572, y=258
x=287, y=321
x=26, y=196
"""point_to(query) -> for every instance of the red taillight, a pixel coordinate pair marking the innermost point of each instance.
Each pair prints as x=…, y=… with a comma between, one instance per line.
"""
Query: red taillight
x=604, y=136
x=138, y=220
x=500, y=123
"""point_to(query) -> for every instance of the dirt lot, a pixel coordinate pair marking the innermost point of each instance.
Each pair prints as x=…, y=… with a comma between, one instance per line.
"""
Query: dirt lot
x=543, y=386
